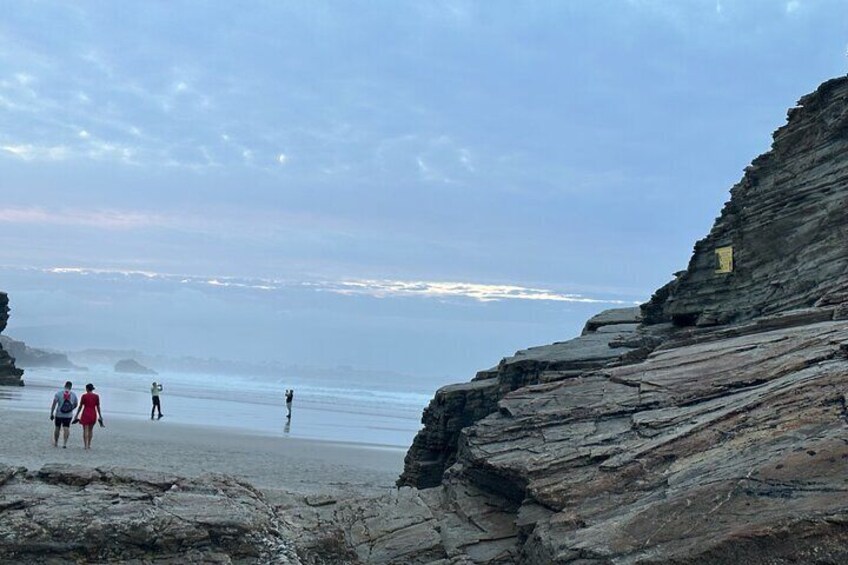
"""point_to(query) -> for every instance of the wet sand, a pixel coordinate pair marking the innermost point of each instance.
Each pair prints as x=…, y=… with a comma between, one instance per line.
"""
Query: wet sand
x=271, y=463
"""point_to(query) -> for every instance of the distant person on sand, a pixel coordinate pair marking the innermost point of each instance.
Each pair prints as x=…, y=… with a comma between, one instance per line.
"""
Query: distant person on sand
x=155, y=389
x=90, y=408
x=64, y=404
x=289, y=398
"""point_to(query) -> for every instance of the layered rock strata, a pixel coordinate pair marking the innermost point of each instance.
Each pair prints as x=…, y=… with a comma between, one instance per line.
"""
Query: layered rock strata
x=65, y=513
x=712, y=431
x=607, y=338
x=786, y=222
x=9, y=374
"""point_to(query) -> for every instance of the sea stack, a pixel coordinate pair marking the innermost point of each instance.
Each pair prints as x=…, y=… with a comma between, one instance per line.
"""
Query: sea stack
x=9, y=374
x=134, y=367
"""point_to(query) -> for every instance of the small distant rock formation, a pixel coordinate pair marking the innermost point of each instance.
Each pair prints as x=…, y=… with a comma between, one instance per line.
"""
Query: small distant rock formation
x=133, y=366
x=26, y=356
x=10, y=375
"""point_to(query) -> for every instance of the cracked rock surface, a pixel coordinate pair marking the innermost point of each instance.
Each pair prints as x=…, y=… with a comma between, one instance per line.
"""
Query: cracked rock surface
x=66, y=513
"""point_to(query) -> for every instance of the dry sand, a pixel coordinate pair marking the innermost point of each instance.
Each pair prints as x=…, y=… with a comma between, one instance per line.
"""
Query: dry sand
x=271, y=463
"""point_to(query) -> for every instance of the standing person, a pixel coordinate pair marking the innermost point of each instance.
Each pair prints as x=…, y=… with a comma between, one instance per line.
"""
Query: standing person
x=90, y=408
x=155, y=389
x=289, y=398
x=64, y=403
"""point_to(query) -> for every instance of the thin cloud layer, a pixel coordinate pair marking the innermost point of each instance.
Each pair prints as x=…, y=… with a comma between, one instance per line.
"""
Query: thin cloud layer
x=102, y=219
x=475, y=291
x=377, y=288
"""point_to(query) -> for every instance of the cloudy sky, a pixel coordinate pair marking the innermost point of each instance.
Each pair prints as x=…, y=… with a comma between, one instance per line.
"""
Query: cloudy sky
x=420, y=186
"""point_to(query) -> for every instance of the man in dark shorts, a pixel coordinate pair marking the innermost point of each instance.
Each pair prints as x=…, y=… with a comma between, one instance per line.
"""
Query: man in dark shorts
x=64, y=404
x=155, y=389
x=289, y=398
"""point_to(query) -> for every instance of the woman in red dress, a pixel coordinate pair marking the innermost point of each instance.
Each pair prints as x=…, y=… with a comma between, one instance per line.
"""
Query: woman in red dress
x=90, y=407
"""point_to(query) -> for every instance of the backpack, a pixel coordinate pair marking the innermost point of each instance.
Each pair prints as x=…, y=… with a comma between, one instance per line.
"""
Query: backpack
x=67, y=405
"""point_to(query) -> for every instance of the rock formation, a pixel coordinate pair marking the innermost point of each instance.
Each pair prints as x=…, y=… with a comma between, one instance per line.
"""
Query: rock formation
x=787, y=224
x=134, y=367
x=712, y=431
x=9, y=374
x=65, y=514
x=607, y=337
x=26, y=356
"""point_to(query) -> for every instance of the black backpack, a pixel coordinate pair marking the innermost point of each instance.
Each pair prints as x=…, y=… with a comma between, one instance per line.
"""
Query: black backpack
x=67, y=405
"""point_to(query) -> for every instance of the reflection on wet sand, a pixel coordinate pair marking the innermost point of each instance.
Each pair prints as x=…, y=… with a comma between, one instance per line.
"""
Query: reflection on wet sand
x=9, y=394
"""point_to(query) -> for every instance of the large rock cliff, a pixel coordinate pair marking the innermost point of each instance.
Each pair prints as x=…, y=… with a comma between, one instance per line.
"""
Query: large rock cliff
x=711, y=430
x=786, y=222
x=9, y=374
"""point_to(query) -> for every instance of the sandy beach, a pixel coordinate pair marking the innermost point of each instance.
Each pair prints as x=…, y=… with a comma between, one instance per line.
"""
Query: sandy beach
x=270, y=463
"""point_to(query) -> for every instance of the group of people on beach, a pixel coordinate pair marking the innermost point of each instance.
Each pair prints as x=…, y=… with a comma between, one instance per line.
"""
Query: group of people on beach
x=88, y=411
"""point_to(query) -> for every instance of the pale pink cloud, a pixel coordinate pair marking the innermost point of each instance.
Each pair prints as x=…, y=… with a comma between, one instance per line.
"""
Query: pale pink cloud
x=107, y=219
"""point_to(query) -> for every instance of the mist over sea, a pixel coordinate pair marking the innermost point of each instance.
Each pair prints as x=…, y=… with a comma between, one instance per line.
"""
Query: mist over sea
x=356, y=412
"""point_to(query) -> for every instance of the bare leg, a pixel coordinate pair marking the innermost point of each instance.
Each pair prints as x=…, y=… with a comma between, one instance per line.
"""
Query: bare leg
x=56, y=436
x=66, y=434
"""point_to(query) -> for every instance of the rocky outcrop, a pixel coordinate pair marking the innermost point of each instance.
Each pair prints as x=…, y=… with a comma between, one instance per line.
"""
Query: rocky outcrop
x=678, y=458
x=134, y=367
x=711, y=431
x=9, y=374
x=26, y=356
x=787, y=224
x=607, y=338
x=66, y=513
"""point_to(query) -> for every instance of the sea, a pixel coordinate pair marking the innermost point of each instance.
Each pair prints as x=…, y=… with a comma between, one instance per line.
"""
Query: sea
x=327, y=411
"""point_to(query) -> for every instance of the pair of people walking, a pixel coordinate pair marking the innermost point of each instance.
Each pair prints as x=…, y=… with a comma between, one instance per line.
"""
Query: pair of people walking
x=87, y=413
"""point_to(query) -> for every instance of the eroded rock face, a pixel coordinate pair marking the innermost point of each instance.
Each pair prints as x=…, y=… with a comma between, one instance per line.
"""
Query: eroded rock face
x=787, y=222
x=711, y=431
x=677, y=458
x=9, y=374
x=66, y=513
x=608, y=337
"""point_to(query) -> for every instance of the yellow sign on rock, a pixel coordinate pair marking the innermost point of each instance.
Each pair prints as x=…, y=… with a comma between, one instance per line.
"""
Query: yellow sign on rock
x=724, y=259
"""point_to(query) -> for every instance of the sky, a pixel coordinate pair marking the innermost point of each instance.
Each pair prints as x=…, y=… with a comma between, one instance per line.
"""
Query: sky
x=423, y=187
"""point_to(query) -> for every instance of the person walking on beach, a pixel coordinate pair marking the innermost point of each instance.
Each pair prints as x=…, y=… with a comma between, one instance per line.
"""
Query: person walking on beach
x=289, y=398
x=155, y=389
x=90, y=407
x=64, y=403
